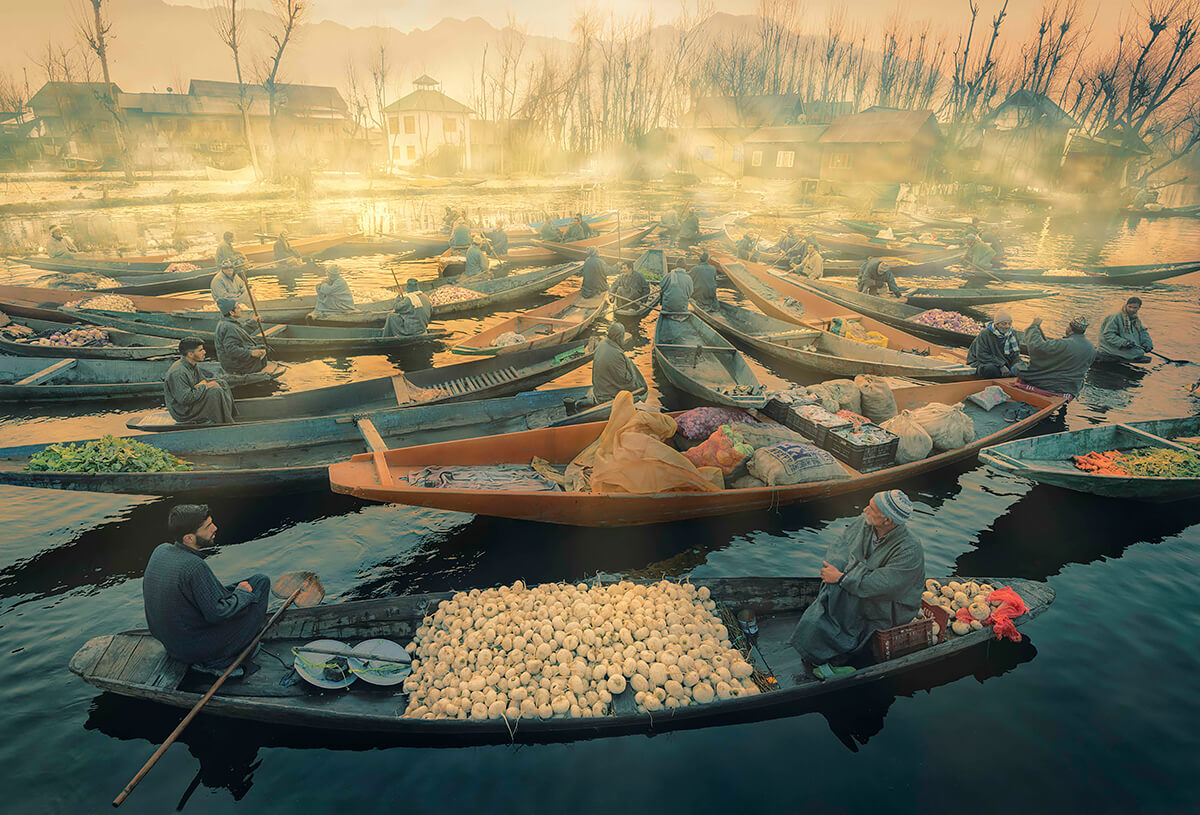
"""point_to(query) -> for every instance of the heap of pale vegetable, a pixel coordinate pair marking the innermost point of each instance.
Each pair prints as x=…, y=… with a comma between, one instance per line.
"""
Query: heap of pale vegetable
x=105, y=302
x=74, y=338
x=561, y=650
x=451, y=294
x=949, y=320
x=972, y=596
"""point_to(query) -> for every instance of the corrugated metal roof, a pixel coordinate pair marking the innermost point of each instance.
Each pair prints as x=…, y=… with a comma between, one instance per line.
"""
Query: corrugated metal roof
x=294, y=97
x=879, y=126
x=428, y=100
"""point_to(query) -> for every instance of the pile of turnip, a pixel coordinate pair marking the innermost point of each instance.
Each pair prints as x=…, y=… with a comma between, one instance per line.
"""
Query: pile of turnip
x=105, y=302
x=74, y=338
x=561, y=650
x=974, y=597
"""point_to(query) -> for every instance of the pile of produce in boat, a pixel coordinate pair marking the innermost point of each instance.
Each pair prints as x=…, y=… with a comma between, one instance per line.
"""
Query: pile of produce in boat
x=1154, y=462
x=106, y=455
x=369, y=294
x=561, y=650
x=949, y=320
x=973, y=598
x=451, y=294
x=182, y=268
x=726, y=448
x=819, y=415
x=75, y=281
x=75, y=338
x=853, y=330
x=105, y=302
x=865, y=435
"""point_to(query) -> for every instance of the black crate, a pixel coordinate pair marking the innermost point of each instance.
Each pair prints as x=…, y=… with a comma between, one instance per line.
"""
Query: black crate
x=819, y=433
x=862, y=456
x=777, y=410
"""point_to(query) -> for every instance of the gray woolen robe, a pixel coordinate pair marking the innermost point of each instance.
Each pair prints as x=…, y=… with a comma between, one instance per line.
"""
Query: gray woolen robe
x=1120, y=328
x=334, y=297
x=234, y=343
x=880, y=588
x=704, y=285
x=190, y=404
x=1058, y=366
x=231, y=287
x=677, y=290
x=612, y=372
x=196, y=618
x=595, y=277
x=409, y=317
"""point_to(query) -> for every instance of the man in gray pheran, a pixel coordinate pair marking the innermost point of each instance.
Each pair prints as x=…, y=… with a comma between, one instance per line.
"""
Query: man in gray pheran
x=191, y=396
x=199, y=620
x=872, y=579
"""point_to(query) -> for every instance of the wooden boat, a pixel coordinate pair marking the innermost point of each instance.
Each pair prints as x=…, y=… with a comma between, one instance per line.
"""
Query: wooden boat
x=784, y=300
x=561, y=321
x=477, y=379
x=30, y=379
x=1047, y=459
x=559, y=446
x=134, y=664
x=1090, y=275
x=600, y=221
x=895, y=313
x=858, y=246
x=933, y=264
x=200, y=280
x=290, y=341
x=1191, y=211
x=259, y=252
x=124, y=344
x=934, y=222
x=46, y=304
x=701, y=362
x=961, y=297
x=821, y=350
x=295, y=454
x=872, y=230
x=452, y=262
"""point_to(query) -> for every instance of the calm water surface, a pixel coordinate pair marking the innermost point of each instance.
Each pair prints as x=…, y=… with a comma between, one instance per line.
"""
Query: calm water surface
x=1097, y=710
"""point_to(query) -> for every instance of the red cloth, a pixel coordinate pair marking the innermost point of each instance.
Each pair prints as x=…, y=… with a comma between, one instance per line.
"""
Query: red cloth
x=1025, y=386
x=1011, y=605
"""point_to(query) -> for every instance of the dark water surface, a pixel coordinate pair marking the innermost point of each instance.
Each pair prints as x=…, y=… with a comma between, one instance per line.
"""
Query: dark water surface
x=1098, y=710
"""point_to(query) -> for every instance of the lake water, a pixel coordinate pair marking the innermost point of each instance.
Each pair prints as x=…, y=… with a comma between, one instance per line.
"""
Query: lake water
x=1096, y=710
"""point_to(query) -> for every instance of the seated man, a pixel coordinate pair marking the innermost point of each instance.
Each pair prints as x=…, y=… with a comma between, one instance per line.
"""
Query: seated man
x=677, y=290
x=689, y=229
x=60, y=246
x=979, y=254
x=550, y=232
x=239, y=347
x=704, y=283
x=410, y=313
x=449, y=219
x=284, y=251
x=813, y=266
x=226, y=252
x=229, y=283
x=578, y=230
x=476, y=261
x=790, y=244
x=876, y=273
x=333, y=294
x=595, y=275
x=499, y=240
x=197, y=619
x=460, y=238
x=872, y=579
x=1123, y=337
x=630, y=286
x=1057, y=366
x=191, y=397
x=747, y=246
x=996, y=351
x=612, y=371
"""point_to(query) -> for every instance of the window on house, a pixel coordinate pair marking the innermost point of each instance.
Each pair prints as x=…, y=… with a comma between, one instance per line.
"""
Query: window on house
x=449, y=125
x=411, y=152
x=785, y=158
x=410, y=125
x=706, y=153
x=840, y=160
x=739, y=154
x=756, y=158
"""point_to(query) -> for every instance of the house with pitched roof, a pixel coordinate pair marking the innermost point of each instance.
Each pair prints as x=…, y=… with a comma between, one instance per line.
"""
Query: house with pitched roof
x=880, y=145
x=1022, y=141
x=428, y=127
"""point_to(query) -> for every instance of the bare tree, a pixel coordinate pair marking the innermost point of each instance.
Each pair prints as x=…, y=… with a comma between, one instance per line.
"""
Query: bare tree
x=381, y=72
x=94, y=33
x=227, y=18
x=289, y=15
x=974, y=82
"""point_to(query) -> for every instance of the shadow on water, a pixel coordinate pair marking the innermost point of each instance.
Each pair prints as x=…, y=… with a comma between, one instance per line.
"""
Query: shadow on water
x=115, y=551
x=1050, y=528
x=228, y=750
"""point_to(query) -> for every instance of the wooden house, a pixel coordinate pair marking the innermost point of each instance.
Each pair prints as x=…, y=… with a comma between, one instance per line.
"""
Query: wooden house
x=790, y=152
x=428, y=126
x=880, y=145
x=1022, y=141
x=1101, y=161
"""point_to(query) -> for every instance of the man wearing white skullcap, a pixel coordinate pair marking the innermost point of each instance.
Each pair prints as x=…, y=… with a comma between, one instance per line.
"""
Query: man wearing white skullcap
x=872, y=579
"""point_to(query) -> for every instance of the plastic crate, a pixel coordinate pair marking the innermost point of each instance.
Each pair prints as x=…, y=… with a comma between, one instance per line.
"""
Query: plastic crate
x=862, y=456
x=777, y=410
x=890, y=643
x=819, y=433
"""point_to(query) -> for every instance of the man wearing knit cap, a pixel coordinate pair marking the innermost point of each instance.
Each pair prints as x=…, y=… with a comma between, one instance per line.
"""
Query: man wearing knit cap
x=239, y=346
x=996, y=350
x=872, y=579
x=1057, y=366
x=612, y=371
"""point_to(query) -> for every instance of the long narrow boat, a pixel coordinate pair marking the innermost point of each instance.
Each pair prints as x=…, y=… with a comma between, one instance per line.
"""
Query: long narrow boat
x=934, y=222
x=858, y=246
x=596, y=220
x=290, y=341
x=559, y=446
x=653, y=266
x=701, y=362
x=30, y=379
x=785, y=300
x=1089, y=275
x=537, y=254
x=556, y=323
x=258, y=252
x=893, y=312
x=961, y=297
x=931, y=265
x=822, y=351
x=295, y=454
x=46, y=304
x=134, y=664
x=477, y=379
x=1047, y=459
x=198, y=280
x=1192, y=211
x=124, y=345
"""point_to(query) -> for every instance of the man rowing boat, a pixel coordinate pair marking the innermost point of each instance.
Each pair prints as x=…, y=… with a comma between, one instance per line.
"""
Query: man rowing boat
x=238, y=350
x=197, y=619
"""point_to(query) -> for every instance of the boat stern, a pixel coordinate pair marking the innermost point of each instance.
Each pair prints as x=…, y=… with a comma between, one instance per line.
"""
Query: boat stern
x=85, y=659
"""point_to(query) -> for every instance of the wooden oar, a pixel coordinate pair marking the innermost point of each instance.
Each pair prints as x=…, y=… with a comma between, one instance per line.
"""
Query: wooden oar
x=254, y=306
x=1168, y=359
x=306, y=590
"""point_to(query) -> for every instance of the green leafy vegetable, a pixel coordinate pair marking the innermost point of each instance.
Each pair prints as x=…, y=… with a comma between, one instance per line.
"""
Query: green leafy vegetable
x=107, y=455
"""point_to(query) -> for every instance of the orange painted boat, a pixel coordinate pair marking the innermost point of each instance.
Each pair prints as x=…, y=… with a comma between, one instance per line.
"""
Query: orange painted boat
x=772, y=293
x=552, y=324
x=451, y=262
x=256, y=252
x=44, y=304
x=384, y=476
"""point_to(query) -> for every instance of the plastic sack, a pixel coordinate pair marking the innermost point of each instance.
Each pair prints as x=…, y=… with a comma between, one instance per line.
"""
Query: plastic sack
x=846, y=393
x=764, y=434
x=825, y=397
x=725, y=449
x=787, y=463
x=915, y=443
x=989, y=397
x=948, y=426
x=630, y=456
x=874, y=338
x=701, y=422
x=1011, y=605
x=878, y=403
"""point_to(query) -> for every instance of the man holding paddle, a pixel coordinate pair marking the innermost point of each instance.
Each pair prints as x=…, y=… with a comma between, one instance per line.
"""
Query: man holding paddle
x=199, y=620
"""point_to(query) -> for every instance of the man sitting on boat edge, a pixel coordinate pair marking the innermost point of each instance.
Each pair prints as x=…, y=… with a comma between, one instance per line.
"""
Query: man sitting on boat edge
x=1057, y=366
x=410, y=313
x=192, y=398
x=872, y=579
x=1123, y=337
x=996, y=350
x=197, y=619
x=238, y=350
